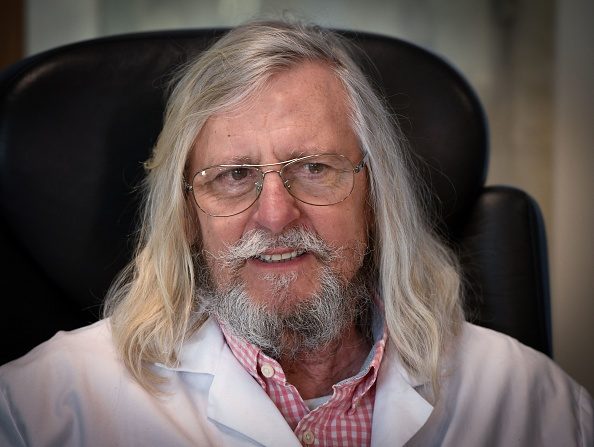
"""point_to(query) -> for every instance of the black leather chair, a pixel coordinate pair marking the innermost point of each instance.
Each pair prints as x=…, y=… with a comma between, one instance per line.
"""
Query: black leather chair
x=77, y=122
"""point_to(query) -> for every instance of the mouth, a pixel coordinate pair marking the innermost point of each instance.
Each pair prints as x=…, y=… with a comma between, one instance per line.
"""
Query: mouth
x=279, y=257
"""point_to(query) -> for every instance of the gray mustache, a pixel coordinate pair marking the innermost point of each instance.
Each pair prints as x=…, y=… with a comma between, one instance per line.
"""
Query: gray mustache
x=257, y=242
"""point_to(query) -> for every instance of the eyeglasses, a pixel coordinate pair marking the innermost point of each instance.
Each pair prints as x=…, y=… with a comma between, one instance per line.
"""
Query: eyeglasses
x=321, y=180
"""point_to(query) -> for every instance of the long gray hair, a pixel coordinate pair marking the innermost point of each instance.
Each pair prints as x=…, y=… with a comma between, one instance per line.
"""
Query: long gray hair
x=152, y=304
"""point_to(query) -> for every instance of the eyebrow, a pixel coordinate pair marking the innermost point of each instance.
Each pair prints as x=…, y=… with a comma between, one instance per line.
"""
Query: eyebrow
x=238, y=160
x=292, y=154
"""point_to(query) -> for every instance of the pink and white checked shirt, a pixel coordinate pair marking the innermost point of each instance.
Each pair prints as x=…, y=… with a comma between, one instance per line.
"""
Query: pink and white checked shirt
x=344, y=420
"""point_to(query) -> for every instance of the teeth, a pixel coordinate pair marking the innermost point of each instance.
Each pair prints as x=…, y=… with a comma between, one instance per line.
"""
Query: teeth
x=280, y=257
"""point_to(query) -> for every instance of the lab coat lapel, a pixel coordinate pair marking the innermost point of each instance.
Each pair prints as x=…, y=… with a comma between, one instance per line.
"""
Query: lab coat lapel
x=238, y=402
x=399, y=410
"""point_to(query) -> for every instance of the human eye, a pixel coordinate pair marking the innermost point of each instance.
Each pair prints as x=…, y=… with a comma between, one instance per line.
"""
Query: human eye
x=315, y=168
x=232, y=180
x=233, y=175
x=320, y=170
x=312, y=169
x=323, y=170
x=236, y=174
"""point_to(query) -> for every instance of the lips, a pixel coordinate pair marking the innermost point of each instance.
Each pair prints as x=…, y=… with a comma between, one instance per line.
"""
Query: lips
x=280, y=257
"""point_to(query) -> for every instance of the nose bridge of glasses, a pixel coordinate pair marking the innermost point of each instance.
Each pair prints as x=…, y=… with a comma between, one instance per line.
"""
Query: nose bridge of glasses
x=284, y=181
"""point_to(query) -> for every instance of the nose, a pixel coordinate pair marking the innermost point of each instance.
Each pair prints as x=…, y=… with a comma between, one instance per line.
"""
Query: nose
x=276, y=209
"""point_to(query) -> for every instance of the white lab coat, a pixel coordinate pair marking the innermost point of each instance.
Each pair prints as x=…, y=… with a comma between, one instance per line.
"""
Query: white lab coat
x=73, y=391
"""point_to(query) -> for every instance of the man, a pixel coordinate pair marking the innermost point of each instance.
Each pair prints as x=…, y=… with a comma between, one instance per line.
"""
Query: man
x=286, y=289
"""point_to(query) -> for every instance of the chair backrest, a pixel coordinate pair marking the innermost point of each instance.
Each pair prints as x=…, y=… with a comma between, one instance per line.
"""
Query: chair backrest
x=77, y=122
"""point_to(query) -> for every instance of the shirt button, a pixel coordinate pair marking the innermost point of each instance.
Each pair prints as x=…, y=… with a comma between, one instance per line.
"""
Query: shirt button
x=267, y=370
x=308, y=437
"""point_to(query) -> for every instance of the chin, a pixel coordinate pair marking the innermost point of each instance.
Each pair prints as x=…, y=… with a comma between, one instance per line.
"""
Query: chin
x=282, y=301
x=280, y=291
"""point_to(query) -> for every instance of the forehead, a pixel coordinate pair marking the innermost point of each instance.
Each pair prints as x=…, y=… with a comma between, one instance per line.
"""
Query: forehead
x=298, y=111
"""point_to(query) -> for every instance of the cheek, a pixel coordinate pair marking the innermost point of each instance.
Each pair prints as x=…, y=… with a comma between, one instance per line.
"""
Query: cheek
x=216, y=235
x=218, y=232
x=347, y=230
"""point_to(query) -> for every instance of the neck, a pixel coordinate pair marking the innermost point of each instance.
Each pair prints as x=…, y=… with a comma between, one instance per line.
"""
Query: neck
x=313, y=373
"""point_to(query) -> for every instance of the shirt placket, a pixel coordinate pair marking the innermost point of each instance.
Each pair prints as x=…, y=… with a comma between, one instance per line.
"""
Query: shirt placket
x=314, y=430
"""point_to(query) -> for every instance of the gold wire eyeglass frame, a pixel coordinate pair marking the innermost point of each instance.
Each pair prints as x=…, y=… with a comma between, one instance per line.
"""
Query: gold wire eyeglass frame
x=260, y=185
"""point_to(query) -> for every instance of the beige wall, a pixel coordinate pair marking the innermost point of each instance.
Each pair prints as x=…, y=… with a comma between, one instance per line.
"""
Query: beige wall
x=572, y=237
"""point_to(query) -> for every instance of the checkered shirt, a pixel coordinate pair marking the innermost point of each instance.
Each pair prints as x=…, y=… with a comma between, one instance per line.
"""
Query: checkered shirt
x=343, y=420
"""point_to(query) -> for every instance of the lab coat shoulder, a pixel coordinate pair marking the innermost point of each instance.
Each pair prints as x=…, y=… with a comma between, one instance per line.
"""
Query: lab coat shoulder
x=67, y=359
x=80, y=347
x=74, y=390
x=42, y=391
x=497, y=391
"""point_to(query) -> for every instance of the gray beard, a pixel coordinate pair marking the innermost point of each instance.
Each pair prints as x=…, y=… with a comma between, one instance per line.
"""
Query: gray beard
x=289, y=331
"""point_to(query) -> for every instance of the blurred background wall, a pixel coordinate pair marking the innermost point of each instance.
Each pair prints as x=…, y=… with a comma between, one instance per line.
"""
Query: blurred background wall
x=531, y=62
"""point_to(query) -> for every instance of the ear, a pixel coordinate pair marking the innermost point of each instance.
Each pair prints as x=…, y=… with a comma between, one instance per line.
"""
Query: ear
x=192, y=223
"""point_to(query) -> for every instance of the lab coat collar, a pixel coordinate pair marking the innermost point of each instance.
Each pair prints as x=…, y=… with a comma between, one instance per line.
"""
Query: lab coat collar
x=399, y=411
x=193, y=357
x=236, y=401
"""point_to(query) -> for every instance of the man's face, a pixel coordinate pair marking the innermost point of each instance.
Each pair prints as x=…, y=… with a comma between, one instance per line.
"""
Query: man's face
x=302, y=111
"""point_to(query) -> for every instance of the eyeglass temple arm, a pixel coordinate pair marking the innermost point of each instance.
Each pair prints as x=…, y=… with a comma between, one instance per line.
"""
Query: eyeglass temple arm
x=361, y=164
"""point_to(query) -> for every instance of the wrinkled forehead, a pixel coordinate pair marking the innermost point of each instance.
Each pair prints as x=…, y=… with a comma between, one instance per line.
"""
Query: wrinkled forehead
x=298, y=111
